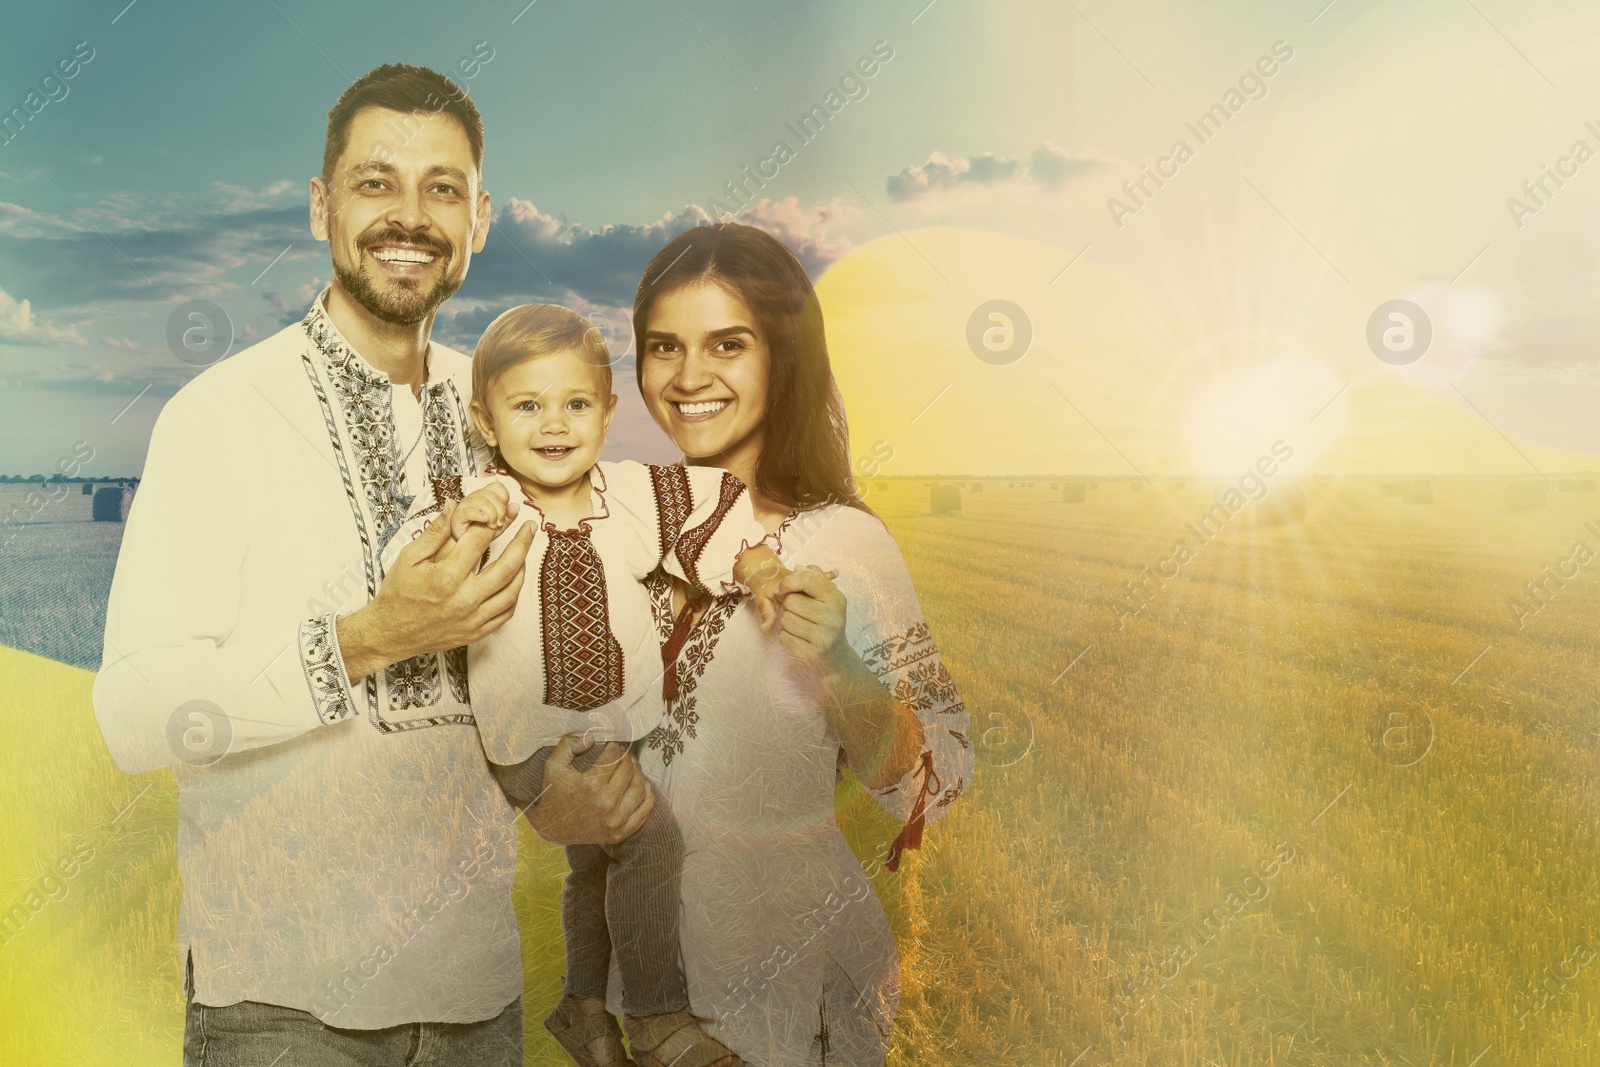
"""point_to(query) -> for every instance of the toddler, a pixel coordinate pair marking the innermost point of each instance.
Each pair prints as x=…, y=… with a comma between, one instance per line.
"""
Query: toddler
x=581, y=653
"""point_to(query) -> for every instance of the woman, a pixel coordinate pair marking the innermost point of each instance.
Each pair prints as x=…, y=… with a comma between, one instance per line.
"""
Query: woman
x=786, y=948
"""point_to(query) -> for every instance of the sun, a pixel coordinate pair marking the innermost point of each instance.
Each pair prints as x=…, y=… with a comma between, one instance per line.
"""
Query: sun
x=1238, y=417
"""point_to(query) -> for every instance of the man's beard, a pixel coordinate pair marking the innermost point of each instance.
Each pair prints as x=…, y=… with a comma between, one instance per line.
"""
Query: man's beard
x=404, y=304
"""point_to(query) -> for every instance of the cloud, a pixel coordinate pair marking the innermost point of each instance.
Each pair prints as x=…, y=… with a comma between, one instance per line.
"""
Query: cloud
x=18, y=327
x=804, y=229
x=18, y=221
x=1551, y=342
x=126, y=255
x=73, y=265
x=292, y=308
x=1047, y=167
x=241, y=198
x=532, y=256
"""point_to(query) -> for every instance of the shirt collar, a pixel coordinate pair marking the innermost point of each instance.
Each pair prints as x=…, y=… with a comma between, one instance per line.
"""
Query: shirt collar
x=340, y=353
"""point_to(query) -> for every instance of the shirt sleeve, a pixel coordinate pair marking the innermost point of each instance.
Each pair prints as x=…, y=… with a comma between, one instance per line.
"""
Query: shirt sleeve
x=721, y=524
x=175, y=683
x=885, y=626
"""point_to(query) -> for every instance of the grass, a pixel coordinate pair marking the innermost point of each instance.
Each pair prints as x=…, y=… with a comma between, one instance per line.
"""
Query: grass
x=1352, y=692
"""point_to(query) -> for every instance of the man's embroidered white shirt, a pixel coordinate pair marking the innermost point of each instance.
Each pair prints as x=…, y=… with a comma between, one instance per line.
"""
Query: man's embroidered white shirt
x=350, y=854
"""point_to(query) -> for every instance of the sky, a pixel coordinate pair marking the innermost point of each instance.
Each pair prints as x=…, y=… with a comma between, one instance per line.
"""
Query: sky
x=1190, y=213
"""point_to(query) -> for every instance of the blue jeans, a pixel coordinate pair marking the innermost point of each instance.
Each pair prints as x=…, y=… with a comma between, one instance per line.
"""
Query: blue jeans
x=252, y=1034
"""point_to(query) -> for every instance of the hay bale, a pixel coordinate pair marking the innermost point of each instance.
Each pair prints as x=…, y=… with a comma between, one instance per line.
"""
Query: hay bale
x=1577, y=485
x=1135, y=486
x=977, y=487
x=1417, y=493
x=1094, y=485
x=1525, y=496
x=88, y=488
x=944, y=499
x=108, y=506
x=1055, y=485
x=1391, y=489
x=882, y=487
x=1283, y=506
x=1073, y=493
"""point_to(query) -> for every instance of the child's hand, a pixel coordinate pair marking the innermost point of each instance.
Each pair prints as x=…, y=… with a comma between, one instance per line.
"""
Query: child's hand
x=759, y=568
x=490, y=506
x=765, y=594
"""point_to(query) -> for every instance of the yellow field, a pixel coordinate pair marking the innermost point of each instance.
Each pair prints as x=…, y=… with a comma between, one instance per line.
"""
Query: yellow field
x=1292, y=813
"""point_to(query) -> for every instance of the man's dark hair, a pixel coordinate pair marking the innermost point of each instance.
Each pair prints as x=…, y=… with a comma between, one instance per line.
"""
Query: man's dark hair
x=405, y=88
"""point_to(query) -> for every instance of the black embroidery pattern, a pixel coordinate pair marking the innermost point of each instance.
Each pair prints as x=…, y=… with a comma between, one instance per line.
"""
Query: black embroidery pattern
x=323, y=672
x=441, y=433
x=363, y=428
x=670, y=486
x=369, y=416
x=455, y=669
x=413, y=683
x=692, y=544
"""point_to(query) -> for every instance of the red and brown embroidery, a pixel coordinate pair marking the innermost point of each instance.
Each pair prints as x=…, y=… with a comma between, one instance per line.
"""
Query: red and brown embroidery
x=909, y=663
x=444, y=489
x=692, y=544
x=582, y=659
x=670, y=486
x=684, y=672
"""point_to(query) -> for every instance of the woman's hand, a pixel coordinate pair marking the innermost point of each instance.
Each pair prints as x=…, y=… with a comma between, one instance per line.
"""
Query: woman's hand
x=812, y=624
x=880, y=736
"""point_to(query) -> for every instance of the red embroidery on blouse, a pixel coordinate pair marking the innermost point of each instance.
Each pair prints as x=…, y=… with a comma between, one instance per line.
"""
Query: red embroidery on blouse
x=582, y=659
x=685, y=669
x=670, y=486
x=911, y=836
x=693, y=542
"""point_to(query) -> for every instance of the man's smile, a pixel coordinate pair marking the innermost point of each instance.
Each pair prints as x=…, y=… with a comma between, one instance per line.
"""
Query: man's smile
x=403, y=258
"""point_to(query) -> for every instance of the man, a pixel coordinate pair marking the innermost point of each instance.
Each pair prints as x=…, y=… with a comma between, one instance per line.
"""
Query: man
x=347, y=858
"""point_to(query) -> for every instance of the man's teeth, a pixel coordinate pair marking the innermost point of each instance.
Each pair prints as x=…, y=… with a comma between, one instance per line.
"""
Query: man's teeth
x=704, y=407
x=403, y=255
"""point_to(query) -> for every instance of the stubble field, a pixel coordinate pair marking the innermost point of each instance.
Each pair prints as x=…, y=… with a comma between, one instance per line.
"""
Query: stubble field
x=1320, y=802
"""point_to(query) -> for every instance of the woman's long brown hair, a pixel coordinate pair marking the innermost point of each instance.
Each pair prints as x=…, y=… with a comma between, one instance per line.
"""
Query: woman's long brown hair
x=805, y=452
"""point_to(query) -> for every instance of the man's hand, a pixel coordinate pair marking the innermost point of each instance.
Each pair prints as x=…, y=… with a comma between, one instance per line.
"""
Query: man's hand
x=600, y=806
x=431, y=600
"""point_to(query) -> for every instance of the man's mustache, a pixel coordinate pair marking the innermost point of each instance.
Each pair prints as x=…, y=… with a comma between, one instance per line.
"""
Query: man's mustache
x=399, y=237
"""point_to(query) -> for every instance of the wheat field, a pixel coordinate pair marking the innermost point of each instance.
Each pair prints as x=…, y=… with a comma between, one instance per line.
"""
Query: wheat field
x=1320, y=802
